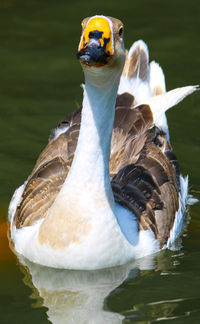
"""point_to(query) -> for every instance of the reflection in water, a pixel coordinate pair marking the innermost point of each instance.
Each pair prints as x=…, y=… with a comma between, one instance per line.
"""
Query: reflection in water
x=78, y=296
x=162, y=310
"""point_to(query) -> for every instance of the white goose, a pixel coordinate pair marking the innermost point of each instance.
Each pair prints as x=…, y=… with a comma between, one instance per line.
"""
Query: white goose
x=108, y=190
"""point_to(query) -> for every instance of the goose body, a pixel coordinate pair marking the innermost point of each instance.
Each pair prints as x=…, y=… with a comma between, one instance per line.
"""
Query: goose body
x=107, y=187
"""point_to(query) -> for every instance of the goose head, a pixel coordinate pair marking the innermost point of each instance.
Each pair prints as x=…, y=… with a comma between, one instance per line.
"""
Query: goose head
x=101, y=49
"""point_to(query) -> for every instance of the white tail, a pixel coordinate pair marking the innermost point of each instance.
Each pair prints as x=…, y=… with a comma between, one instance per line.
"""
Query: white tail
x=146, y=82
x=161, y=103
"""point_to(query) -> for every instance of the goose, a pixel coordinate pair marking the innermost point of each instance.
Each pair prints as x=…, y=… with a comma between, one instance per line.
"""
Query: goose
x=107, y=188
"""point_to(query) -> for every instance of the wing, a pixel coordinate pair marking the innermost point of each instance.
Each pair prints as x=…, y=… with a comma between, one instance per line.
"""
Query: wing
x=146, y=181
x=49, y=173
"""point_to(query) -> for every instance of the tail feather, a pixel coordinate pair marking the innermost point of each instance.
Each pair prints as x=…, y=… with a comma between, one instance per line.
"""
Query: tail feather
x=140, y=78
x=161, y=103
x=157, y=79
x=146, y=82
x=138, y=61
x=135, y=77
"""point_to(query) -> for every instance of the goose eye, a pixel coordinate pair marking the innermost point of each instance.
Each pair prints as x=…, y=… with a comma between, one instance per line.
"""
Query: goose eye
x=121, y=29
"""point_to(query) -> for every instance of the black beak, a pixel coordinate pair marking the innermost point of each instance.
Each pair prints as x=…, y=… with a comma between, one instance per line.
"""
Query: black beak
x=93, y=53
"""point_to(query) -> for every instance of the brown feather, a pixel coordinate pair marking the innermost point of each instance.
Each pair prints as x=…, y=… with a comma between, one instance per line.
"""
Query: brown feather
x=137, y=64
x=155, y=175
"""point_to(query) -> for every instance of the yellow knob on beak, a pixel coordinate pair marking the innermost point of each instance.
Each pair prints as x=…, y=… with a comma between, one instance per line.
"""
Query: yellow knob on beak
x=96, y=44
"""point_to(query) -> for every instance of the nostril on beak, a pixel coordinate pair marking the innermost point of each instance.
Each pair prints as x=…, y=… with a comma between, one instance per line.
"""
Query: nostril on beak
x=93, y=42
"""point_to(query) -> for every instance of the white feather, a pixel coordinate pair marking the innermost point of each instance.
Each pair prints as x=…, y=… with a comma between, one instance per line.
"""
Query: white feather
x=58, y=131
x=15, y=201
x=161, y=103
x=138, y=88
x=179, y=218
x=157, y=77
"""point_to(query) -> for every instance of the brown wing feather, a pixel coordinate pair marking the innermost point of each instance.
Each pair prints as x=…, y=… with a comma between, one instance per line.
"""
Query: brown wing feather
x=40, y=192
x=149, y=187
x=48, y=176
x=137, y=65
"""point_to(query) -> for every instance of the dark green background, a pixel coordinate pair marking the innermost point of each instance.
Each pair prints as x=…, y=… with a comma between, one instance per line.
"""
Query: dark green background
x=40, y=81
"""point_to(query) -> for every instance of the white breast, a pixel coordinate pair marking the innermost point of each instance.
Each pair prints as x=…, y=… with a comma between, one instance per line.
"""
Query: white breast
x=104, y=246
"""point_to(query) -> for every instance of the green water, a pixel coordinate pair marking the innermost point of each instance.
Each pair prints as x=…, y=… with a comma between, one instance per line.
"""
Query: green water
x=39, y=85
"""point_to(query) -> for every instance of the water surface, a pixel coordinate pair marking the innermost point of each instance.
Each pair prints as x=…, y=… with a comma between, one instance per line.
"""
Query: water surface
x=39, y=85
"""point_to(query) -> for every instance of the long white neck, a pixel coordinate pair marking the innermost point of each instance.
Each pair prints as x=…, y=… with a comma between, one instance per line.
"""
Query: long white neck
x=90, y=168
